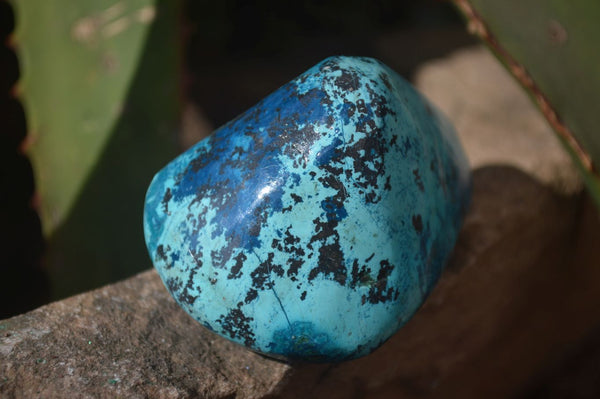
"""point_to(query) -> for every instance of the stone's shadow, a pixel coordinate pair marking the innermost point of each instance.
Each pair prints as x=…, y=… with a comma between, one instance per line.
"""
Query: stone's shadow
x=500, y=190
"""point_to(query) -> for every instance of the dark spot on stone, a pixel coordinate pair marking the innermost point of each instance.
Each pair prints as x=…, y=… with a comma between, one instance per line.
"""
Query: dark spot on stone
x=360, y=276
x=331, y=263
x=196, y=257
x=303, y=296
x=386, y=80
x=379, y=291
x=333, y=210
x=250, y=295
x=203, y=158
x=417, y=223
x=237, y=326
x=185, y=296
x=368, y=60
x=290, y=239
x=181, y=292
x=160, y=253
x=297, y=199
x=238, y=151
x=261, y=278
x=165, y=201
x=387, y=186
x=418, y=180
x=378, y=102
x=350, y=109
x=295, y=265
x=217, y=259
x=236, y=270
x=362, y=107
x=372, y=198
x=347, y=81
x=174, y=284
x=221, y=257
x=305, y=136
x=406, y=146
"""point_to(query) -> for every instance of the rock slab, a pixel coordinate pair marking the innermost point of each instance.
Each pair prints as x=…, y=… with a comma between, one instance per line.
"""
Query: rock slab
x=131, y=339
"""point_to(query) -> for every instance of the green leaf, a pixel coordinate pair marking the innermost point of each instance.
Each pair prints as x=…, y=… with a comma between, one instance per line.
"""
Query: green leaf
x=100, y=88
x=552, y=48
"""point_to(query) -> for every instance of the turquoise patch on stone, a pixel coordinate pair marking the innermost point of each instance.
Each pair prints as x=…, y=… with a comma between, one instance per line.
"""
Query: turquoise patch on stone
x=313, y=226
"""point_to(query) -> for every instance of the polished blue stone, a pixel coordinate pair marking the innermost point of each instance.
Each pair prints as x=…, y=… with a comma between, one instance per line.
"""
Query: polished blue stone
x=313, y=226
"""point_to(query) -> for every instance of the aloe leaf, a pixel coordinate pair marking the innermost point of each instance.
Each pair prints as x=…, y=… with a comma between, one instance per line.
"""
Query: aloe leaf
x=100, y=89
x=551, y=47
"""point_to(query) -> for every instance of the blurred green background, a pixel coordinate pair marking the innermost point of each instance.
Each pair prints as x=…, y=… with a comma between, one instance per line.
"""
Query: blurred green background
x=101, y=94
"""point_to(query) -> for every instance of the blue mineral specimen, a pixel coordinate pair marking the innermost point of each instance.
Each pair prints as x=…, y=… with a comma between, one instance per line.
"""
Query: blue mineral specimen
x=313, y=226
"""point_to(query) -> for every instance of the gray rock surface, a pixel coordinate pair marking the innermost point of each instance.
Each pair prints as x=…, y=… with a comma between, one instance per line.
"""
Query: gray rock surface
x=516, y=294
x=129, y=340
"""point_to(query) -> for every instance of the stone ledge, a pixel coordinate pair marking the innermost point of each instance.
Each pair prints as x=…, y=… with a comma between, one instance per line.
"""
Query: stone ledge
x=129, y=339
x=507, y=294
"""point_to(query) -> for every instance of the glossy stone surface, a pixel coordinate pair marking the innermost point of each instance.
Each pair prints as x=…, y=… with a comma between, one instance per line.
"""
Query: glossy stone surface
x=314, y=225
